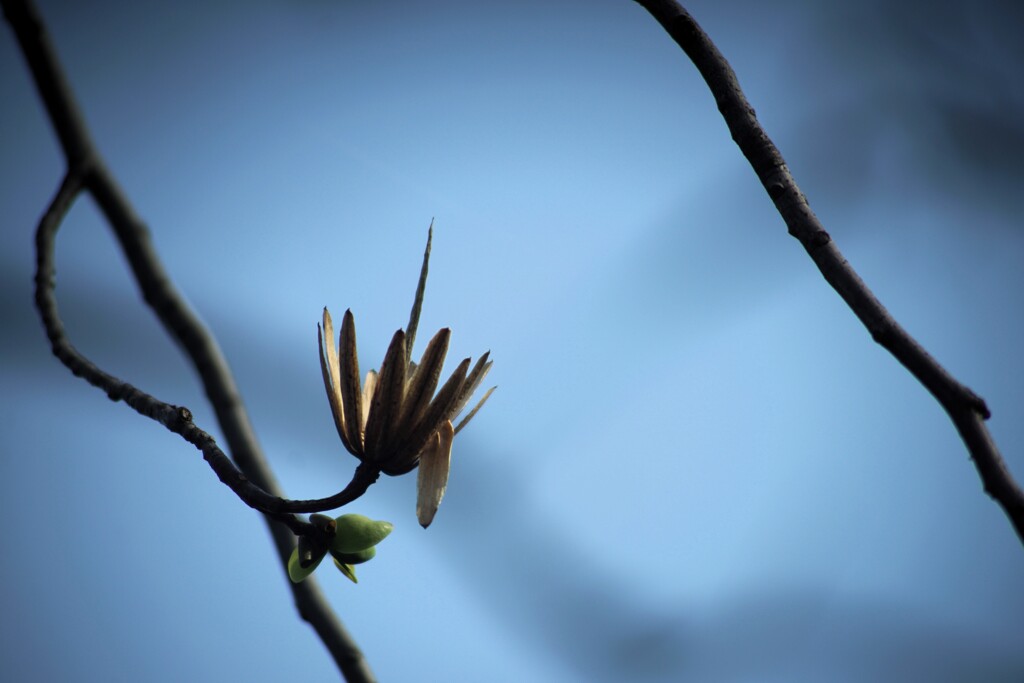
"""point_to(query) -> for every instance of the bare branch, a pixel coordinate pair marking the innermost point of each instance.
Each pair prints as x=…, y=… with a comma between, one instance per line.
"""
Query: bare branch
x=252, y=479
x=965, y=408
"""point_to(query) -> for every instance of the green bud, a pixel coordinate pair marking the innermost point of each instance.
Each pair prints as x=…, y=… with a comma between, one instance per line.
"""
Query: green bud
x=296, y=572
x=355, y=558
x=323, y=523
x=308, y=552
x=348, y=570
x=357, y=532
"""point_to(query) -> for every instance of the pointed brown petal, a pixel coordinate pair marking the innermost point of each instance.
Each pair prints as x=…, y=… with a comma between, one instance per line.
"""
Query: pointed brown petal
x=476, y=376
x=417, y=302
x=329, y=352
x=437, y=410
x=349, y=381
x=387, y=401
x=422, y=385
x=432, y=480
x=476, y=409
x=369, y=387
x=329, y=369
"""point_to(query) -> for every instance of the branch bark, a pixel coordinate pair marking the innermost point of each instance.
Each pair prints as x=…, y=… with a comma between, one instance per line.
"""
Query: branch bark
x=966, y=409
x=87, y=172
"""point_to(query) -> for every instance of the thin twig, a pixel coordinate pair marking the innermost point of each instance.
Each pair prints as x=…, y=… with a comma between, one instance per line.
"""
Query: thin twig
x=965, y=408
x=177, y=419
x=87, y=172
x=90, y=175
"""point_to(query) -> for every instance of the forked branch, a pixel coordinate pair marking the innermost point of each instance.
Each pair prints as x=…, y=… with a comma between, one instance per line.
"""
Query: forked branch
x=252, y=479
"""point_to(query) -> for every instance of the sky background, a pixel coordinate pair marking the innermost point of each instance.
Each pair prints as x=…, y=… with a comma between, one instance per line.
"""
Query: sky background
x=698, y=466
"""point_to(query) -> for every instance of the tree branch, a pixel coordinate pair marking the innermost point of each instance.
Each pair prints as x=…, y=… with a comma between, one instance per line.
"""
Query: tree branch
x=965, y=408
x=177, y=419
x=252, y=479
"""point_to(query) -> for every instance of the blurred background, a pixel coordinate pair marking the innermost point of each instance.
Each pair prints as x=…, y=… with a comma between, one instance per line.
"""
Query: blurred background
x=697, y=466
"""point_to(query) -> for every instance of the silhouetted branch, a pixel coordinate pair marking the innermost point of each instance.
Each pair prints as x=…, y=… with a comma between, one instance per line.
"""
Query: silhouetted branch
x=252, y=479
x=965, y=408
x=175, y=418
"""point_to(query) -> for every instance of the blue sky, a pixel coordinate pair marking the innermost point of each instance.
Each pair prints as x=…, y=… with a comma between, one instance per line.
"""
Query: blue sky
x=697, y=466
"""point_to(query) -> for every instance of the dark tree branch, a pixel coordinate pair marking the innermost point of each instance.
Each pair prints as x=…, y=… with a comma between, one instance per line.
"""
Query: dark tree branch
x=176, y=419
x=252, y=479
x=965, y=408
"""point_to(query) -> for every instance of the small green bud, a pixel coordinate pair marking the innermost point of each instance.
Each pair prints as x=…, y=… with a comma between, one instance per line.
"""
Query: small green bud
x=308, y=553
x=355, y=558
x=296, y=572
x=356, y=533
x=348, y=570
x=323, y=523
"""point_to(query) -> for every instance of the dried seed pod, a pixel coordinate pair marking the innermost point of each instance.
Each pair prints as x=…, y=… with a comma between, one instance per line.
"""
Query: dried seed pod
x=395, y=422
